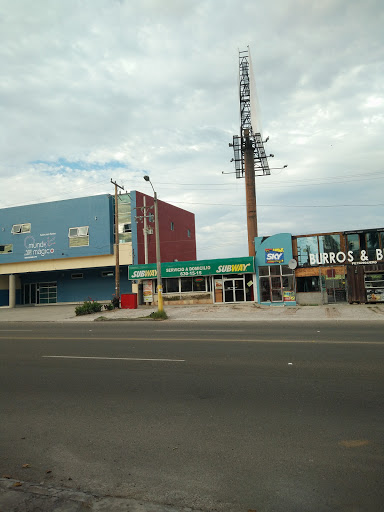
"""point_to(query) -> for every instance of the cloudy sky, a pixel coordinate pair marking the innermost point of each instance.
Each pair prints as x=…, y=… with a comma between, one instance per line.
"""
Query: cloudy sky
x=97, y=89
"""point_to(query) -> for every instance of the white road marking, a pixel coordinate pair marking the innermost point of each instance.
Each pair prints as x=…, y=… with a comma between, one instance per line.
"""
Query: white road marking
x=117, y=358
x=200, y=330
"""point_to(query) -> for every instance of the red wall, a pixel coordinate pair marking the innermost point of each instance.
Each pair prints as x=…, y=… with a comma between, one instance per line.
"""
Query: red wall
x=174, y=245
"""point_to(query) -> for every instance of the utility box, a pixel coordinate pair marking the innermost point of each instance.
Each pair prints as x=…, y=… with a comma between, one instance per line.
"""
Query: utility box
x=129, y=301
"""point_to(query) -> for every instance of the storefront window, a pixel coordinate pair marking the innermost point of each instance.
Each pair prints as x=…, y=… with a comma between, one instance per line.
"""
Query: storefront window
x=353, y=244
x=171, y=285
x=275, y=271
x=265, y=289
x=276, y=284
x=307, y=284
x=186, y=284
x=306, y=245
x=329, y=243
x=372, y=240
x=198, y=284
x=287, y=283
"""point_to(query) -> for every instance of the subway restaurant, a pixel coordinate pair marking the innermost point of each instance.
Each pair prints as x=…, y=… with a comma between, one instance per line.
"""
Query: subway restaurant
x=225, y=280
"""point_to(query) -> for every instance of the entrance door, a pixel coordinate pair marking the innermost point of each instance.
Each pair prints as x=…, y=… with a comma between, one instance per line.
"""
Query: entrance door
x=40, y=293
x=234, y=290
x=30, y=294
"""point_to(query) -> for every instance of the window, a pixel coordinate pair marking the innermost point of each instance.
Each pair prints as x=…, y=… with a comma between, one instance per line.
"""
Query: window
x=172, y=226
x=353, y=244
x=308, y=284
x=78, y=237
x=186, y=284
x=107, y=273
x=199, y=284
x=372, y=239
x=189, y=233
x=6, y=249
x=329, y=243
x=171, y=285
x=125, y=218
x=77, y=276
x=47, y=293
x=276, y=283
x=18, y=229
x=306, y=245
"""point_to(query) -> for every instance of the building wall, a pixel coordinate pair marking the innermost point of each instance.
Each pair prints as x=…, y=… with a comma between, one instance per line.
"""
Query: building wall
x=44, y=254
x=264, y=245
x=50, y=223
x=174, y=244
x=92, y=286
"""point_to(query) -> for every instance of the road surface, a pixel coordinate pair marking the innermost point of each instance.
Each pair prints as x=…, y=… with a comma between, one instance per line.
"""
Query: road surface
x=220, y=417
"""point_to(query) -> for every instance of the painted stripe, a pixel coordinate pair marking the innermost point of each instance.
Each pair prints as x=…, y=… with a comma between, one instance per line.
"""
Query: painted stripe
x=200, y=330
x=116, y=358
x=204, y=340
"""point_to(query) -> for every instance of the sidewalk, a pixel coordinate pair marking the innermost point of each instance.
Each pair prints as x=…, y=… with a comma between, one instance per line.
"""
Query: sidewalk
x=242, y=312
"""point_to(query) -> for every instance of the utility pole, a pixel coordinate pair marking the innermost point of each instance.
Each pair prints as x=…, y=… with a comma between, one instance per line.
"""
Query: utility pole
x=248, y=147
x=160, y=304
x=250, y=193
x=117, y=264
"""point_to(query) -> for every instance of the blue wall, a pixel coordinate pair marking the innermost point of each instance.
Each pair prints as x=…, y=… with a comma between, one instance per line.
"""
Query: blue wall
x=50, y=223
x=91, y=286
x=4, y=297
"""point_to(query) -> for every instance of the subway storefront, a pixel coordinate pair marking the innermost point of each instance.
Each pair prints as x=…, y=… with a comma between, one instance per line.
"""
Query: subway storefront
x=225, y=280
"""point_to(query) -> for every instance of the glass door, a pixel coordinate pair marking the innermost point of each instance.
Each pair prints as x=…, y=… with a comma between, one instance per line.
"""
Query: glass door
x=30, y=293
x=228, y=291
x=234, y=290
x=239, y=290
x=40, y=293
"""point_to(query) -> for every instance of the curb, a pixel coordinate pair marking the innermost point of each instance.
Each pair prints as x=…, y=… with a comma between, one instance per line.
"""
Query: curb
x=17, y=495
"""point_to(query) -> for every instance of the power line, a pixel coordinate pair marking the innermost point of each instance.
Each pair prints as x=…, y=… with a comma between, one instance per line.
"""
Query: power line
x=284, y=205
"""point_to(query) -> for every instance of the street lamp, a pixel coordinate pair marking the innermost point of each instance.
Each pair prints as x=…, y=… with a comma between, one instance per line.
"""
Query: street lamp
x=160, y=305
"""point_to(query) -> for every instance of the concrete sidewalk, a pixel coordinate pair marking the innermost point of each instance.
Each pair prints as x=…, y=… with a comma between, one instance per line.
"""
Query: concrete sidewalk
x=242, y=312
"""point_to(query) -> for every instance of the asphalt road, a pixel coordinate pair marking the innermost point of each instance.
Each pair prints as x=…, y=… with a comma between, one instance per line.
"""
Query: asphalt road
x=221, y=417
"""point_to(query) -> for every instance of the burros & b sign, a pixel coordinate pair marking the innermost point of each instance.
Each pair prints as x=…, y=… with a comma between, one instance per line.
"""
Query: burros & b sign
x=327, y=258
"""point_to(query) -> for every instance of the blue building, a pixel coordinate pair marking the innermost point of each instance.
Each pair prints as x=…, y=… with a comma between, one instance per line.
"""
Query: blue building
x=63, y=251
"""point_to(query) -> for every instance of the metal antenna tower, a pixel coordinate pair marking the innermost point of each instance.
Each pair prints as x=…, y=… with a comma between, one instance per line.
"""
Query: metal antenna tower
x=248, y=147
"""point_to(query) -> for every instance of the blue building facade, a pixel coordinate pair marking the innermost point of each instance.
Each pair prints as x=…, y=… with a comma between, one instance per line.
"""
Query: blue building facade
x=275, y=270
x=60, y=251
x=63, y=251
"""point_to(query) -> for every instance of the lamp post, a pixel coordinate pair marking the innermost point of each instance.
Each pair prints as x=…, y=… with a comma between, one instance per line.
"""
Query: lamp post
x=160, y=306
